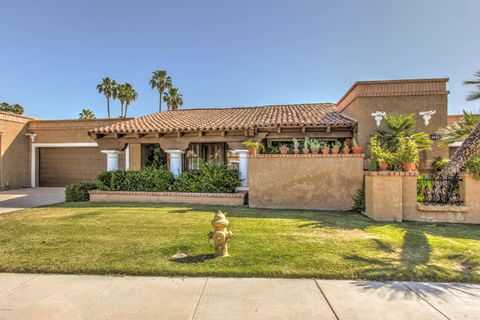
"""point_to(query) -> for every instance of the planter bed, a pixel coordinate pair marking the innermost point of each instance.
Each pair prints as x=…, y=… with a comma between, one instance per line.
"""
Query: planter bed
x=222, y=199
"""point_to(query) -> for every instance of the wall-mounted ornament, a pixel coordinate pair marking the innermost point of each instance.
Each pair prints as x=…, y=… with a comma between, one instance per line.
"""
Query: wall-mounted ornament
x=427, y=115
x=378, y=116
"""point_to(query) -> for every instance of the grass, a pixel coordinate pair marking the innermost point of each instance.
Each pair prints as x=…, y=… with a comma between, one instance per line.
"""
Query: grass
x=138, y=239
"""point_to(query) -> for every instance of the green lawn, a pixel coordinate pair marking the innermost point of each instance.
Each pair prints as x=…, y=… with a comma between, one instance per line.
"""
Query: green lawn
x=139, y=239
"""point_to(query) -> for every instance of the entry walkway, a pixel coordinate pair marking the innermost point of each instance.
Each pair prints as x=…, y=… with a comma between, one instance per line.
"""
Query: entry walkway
x=31, y=296
x=18, y=199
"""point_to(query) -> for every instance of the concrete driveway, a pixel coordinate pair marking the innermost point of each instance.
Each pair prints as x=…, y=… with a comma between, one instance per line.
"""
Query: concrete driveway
x=18, y=199
x=35, y=296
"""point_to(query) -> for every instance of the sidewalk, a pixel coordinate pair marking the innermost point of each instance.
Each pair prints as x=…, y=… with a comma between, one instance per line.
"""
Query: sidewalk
x=31, y=296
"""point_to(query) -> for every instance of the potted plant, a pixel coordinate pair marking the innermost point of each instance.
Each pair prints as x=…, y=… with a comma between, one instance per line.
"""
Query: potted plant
x=296, y=144
x=314, y=146
x=407, y=154
x=325, y=148
x=346, y=147
x=306, y=145
x=336, y=147
x=381, y=156
x=253, y=146
x=355, y=148
x=283, y=148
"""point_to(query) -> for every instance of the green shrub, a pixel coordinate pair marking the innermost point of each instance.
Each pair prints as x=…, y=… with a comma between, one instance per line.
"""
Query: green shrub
x=439, y=163
x=150, y=179
x=78, y=191
x=210, y=177
x=380, y=153
x=473, y=166
x=359, y=200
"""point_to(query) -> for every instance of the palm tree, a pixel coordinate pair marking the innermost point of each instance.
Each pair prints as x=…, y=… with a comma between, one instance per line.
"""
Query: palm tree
x=14, y=108
x=160, y=81
x=402, y=126
x=131, y=95
x=121, y=94
x=476, y=94
x=459, y=131
x=109, y=89
x=86, y=114
x=173, y=98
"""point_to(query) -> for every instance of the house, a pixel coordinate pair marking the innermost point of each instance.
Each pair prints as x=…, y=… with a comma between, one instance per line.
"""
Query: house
x=59, y=152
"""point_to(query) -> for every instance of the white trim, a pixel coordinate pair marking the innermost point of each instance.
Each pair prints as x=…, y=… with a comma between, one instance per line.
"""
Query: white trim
x=33, y=160
x=456, y=144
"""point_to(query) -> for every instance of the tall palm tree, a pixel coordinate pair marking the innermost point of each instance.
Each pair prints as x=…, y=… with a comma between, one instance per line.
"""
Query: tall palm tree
x=109, y=89
x=131, y=95
x=173, y=98
x=122, y=94
x=86, y=114
x=160, y=81
x=476, y=94
x=14, y=108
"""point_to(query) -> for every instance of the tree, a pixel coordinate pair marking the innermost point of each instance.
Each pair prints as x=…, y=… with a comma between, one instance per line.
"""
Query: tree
x=173, y=98
x=160, y=81
x=131, y=96
x=475, y=95
x=109, y=89
x=13, y=108
x=126, y=94
x=402, y=126
x=459, y=131
x=86, y=114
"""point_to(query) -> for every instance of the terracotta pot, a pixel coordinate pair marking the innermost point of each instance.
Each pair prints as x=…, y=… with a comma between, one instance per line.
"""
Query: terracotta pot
x=315, y=151
x=357, y=150
x=296, y=151
x=409, y=167
x=383, y=166
x=305, y=151
x=284, y=150
x=346, y=151
x=325, y=150
x=252, y=151
x=335, y=151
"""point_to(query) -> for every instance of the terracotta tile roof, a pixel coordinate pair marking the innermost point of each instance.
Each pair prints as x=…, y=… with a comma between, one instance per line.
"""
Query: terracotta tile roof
x=313, y=114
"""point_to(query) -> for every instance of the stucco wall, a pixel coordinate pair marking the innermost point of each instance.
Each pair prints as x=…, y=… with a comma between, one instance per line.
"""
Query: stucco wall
x=14, y=159
x=304, y=181
x=390, y=97
x=392, y=196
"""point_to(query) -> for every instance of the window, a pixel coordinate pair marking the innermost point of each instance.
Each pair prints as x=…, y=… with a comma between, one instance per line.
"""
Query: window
x=198, y=152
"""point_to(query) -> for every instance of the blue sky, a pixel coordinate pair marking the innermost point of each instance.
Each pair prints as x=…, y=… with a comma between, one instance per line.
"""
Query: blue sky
x=228, y=53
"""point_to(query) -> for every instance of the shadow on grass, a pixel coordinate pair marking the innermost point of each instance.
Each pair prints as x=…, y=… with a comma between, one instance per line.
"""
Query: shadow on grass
x=196, y=259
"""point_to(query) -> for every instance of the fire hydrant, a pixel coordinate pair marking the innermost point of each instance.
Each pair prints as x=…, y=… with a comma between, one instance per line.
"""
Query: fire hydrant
x=220, y=235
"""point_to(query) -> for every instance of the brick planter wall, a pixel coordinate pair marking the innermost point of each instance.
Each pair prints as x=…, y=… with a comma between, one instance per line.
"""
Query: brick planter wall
x=220, y=199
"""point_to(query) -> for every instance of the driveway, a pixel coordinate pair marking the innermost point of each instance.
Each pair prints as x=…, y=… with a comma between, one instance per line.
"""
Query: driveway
x=18, y=199
x=36, y=296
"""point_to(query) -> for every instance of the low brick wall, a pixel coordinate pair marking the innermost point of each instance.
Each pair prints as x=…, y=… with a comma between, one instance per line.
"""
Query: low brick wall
x=318, y=182
x=392, y=196
x=220, y=199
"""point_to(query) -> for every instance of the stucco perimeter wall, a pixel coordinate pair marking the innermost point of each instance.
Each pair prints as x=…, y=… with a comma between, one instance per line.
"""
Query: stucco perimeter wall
x=219, y=199
x=399, y=97
x=392, y=196
x=14, y=158
x=318, y=182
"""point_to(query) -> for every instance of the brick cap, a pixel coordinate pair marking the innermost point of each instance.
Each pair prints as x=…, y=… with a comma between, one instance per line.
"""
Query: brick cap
x=310, y=155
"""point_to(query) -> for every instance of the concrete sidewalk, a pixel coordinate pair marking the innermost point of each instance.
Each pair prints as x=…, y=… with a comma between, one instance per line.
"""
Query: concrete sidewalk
x=18, y=199
x=31, y=296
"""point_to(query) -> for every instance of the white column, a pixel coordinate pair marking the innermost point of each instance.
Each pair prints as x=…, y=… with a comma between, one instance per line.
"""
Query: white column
x=243, y=165
x=112, y=159
x=127, y=158
x=175, y=161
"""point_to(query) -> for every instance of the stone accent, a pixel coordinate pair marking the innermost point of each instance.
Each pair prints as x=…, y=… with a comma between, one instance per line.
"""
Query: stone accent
x=221, y=199
x=318, y=182
x=392, y=196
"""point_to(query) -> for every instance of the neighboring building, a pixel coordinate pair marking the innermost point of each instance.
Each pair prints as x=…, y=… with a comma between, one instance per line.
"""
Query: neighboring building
x=68, y=151
x=452, y=119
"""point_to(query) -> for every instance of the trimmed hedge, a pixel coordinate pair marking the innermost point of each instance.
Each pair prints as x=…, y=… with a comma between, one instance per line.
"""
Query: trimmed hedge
x=79, y=191
x=210, y=178
x=150, y=179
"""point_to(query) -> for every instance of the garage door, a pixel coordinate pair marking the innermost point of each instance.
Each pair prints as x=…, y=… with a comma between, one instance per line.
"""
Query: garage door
x=62, y=166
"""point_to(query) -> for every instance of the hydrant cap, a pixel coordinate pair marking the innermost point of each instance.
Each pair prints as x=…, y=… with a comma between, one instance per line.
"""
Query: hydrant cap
x=219, y=218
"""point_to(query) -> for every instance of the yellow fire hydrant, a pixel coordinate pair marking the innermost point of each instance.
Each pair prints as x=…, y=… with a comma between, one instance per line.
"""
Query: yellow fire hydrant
x=220, y=235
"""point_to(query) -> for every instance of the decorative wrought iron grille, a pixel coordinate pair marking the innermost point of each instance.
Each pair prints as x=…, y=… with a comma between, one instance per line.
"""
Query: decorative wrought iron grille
x=438, y=192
